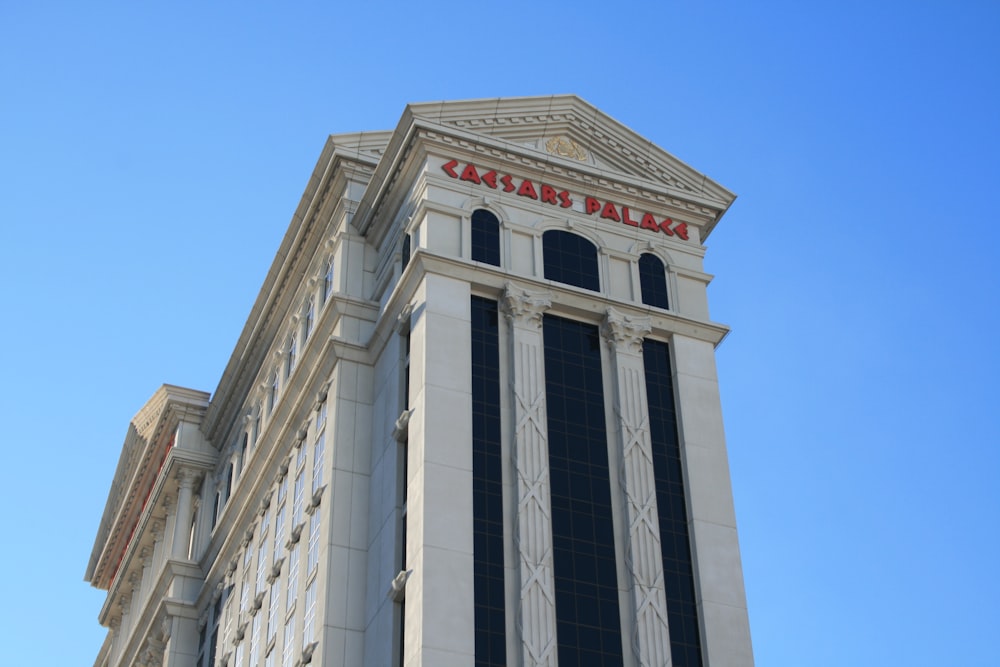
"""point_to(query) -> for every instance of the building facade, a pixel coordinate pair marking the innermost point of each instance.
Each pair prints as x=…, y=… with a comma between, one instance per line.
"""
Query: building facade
x=472, y=419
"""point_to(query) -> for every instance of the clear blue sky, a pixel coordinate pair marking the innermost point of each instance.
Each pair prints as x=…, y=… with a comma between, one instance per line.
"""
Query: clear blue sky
x=152, y=155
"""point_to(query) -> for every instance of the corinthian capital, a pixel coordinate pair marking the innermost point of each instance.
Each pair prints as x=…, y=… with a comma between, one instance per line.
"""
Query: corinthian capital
x=524, y=307
x=625, y=332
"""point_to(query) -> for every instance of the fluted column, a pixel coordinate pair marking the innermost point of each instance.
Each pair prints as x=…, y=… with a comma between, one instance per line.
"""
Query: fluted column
x=651, y=637
x=536, y=615
x=182, y=520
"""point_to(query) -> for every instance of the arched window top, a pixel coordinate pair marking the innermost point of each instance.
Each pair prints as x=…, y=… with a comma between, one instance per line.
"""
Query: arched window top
x=570, y=258
x=653, y=281
x=485, y=237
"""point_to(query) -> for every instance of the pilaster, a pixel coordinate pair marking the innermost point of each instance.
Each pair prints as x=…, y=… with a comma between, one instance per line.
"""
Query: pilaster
x=536, y=615
x=651, y=637
x=439, y=624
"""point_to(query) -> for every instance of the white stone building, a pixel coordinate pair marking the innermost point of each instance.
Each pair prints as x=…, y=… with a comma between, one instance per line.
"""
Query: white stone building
x=473, y=419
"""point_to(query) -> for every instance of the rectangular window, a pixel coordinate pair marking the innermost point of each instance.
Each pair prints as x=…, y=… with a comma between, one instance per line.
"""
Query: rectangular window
x=307, y=320
x=298, y=499
x=254, y=640
x=588, y=624
x=290, y=355
x=487, y=501
x=328, y=280
x=274, y=600
x=272, y=393
x=308, y=625
x=319, y=449
x=279, y=531
x=288, y=647
x=261, y=567
x=293, y=577
x=244, y=594
x=671, y=504
x=313, y=553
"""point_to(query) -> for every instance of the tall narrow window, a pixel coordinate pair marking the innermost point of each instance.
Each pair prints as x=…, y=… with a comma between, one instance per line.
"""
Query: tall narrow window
x=288, y=647
x=653, y=281
x=588, y=625
x=254, y=639
x=571, y=259
x=675, y=542
x=327, y=280
x=487, y=485
x=405, y=250
x=309, y=623
x=307, y=320
x=485, y=237
x=290, y=356
x=272, y=393
x=293, y=578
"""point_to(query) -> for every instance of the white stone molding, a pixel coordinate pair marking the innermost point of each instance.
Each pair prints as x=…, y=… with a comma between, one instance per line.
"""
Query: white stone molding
x=166, y=627
x=536, y=615
x=621, y=330
x=317, y=498
x=265, y=503
x=403, y=320
x=295, y=536
x=275, y=570
x=301, y=435
x=519, y=305
x=241, y=631
x=651, y=636
x=397, y=589
x=321, y=396
x=152, y=654
x=307, y=653
x=400, y=432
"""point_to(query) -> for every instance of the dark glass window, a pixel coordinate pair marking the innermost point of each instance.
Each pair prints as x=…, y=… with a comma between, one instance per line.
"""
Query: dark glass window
x=485, y=237
x=487, y=495
x=653, y=281
x=675, y=542
x=571, y=259
x=588, y=628
x=405, y=250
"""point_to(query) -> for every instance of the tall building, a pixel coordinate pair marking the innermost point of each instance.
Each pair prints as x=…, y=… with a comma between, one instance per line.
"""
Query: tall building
x=472, y=419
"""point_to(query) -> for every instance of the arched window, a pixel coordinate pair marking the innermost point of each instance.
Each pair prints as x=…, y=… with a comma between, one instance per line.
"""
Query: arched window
x=485, y=237
x=571, y=259
x=653, y=281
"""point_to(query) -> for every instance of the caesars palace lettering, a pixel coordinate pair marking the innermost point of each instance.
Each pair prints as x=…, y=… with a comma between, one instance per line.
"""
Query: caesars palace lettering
x=548, y=195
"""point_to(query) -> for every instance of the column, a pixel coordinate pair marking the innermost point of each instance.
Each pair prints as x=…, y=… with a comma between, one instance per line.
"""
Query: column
x=651, y=637
x=182, y=520
x=536, y=614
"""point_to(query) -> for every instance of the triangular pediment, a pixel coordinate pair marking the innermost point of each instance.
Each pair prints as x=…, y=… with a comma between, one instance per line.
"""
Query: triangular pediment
x=568, y=129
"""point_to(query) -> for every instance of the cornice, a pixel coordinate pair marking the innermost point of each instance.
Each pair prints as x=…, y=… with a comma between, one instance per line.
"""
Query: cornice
x=336, y=166
x=630, y=165
x=149, y=436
